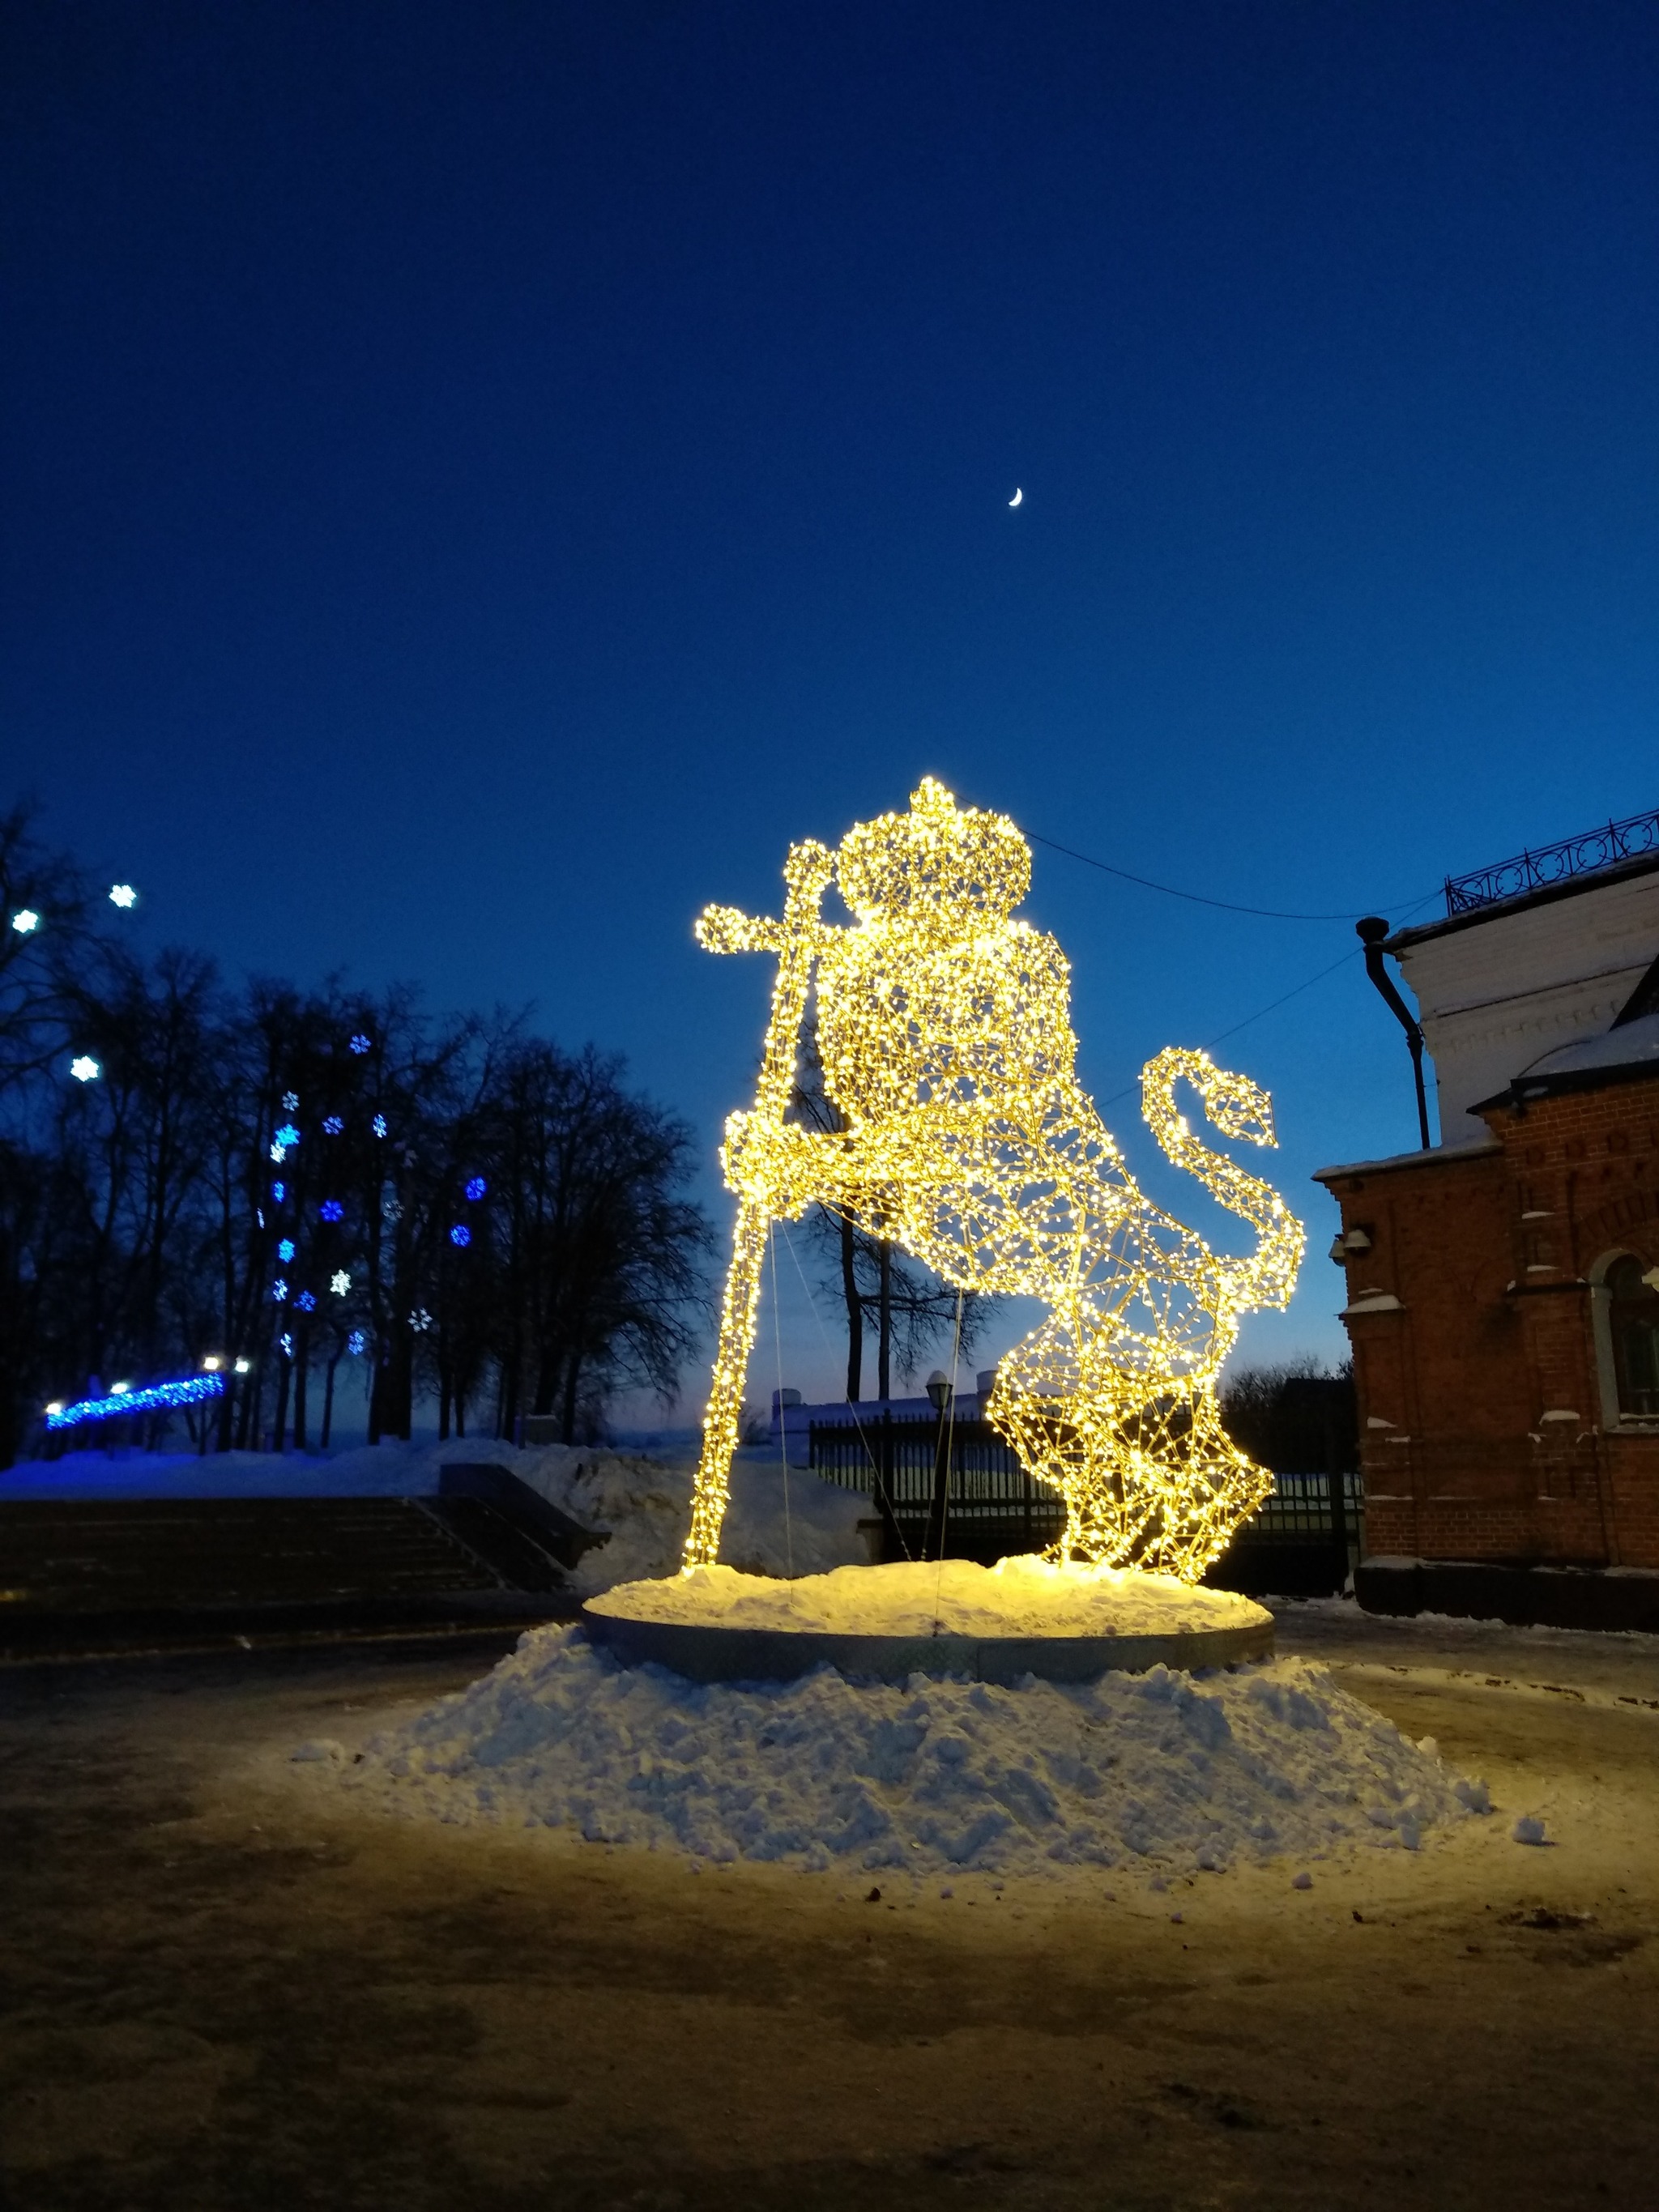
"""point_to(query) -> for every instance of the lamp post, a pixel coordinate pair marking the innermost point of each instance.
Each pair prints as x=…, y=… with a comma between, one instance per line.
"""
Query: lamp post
x=939, y=1394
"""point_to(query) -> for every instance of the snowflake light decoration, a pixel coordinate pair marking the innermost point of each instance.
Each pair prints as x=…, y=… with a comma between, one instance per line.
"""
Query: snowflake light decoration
x=25, y=920
x=331, y=1210
x=460, y=1234
x=290, y=1102
x=378, y=1125
x=288, y=1136
x=278, y=1153
x=307, y=1301
x=123, y=894
x=476, y=1188
x=285, y=1249
x=945, y=1030
x=279, y=1290
x=420, y=1320
x=86, y=1069
x=340, y=1282
x=356, y=1344
x=279, y=1192
x=332, y=1125
x=391, y=1207
x=286, y=1343
x=360, y=1044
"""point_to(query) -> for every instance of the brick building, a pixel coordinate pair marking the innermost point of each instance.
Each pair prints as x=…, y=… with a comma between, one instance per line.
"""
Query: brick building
x=1502, y=1286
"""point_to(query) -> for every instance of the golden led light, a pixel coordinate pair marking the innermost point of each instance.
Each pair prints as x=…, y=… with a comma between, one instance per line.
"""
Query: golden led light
x=945, y=1030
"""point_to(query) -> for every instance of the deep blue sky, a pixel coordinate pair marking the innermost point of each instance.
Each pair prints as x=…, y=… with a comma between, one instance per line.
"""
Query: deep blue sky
x=479, y=479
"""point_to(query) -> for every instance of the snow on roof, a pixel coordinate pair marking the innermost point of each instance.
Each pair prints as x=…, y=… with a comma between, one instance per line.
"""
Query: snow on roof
x=1635, y=1044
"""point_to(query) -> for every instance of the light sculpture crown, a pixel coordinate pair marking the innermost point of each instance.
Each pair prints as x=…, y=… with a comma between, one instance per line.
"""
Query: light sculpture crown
x=944, y=1027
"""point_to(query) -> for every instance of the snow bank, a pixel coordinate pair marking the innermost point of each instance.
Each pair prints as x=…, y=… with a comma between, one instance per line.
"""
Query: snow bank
x=1159, y=1772
x=1021, y=1596
x=803, y=1527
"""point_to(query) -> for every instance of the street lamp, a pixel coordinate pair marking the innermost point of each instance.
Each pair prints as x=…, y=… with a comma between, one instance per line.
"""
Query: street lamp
x=940, y=1395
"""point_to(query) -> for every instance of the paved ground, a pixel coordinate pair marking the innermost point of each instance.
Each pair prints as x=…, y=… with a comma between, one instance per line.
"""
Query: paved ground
x=225, y=1986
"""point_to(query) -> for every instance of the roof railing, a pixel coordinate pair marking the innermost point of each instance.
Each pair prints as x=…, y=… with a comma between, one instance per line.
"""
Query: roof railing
x=1583, y=856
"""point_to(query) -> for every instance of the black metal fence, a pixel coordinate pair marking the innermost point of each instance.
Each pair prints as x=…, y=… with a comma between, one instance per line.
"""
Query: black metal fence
x=992, y=1505
x=1554, y=864
x=1303, y=1540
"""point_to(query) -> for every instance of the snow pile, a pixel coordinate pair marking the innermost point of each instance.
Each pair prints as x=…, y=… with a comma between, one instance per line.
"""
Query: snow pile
x=1021, y=1596
x=1163, y=1771
x=771, y=1530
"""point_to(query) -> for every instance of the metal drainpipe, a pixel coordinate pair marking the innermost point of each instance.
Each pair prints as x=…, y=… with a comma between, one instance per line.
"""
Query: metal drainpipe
x=1371, y=931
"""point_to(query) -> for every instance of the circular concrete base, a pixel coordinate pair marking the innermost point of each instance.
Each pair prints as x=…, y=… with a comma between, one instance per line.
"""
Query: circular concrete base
x=990, y=1626
x=762, y=1655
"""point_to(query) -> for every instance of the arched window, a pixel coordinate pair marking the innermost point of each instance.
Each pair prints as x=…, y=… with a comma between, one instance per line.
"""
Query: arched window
x=1633, y=1319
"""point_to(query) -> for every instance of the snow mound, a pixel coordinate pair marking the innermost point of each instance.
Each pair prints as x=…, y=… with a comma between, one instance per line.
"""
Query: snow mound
x=1020, y=1596
x=773, y=1527
x=1161, y=1772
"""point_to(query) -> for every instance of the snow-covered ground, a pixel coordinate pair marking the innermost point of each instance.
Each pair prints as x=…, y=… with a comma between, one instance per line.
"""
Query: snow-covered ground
x=1152, y=1775
x=1021, y=1596
x=779, y=1523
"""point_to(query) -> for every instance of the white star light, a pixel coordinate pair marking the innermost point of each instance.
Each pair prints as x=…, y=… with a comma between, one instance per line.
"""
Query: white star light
x=86, y=1069
x=24, y=920
x=123, y=894
x=340, y=1283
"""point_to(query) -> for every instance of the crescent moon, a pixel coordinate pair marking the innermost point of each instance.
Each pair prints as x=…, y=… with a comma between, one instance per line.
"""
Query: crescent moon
x=1018, y=495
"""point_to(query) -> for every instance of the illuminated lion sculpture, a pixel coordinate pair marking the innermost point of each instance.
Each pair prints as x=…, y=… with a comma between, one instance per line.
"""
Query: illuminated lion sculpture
x=944, y=1031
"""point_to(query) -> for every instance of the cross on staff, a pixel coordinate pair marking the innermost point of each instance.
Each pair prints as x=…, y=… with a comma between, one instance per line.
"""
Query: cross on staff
x=797, y=940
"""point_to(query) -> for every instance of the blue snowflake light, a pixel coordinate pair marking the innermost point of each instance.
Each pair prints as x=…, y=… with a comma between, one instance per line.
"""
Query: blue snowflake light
x=378, y=1125
x=360, y=1043
x=476, y=1188
x=279, y=1192
x=290, y=1102
x=288, y=1136
x=356, y=1344
x=332, y=1125
x=279, y=1290
x=460, y=1234
x=286, y=1343
x=285, y=1249
x=306, y=1301
x=331, y=1210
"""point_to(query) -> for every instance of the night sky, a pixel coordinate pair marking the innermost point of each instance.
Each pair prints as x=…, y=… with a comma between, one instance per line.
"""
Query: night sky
x=478, y=480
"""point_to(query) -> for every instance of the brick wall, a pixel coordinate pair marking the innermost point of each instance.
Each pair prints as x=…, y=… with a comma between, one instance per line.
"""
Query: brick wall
x=1483, y=1431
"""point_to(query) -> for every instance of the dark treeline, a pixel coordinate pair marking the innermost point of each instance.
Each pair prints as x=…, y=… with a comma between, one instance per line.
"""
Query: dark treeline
x=1296, y=1418
x=298, y=1180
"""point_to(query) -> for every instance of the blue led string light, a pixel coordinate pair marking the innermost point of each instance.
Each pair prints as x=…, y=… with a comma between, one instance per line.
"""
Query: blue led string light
x=190, y=1391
